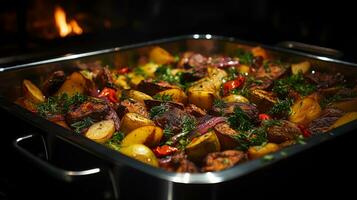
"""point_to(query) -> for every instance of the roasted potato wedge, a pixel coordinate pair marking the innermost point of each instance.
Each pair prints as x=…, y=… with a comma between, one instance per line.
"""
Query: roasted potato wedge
x=235, y=98
x=140, y=152
x=202, y=99
x=101, y=131
x=258, y=51
x=75, y=83
x=32, y=92
x=347, y=105
x=121, y=81
x=302, y=67
x=160, y=56
x=132, y=121
x=199, y=147
x=148, y=135
x=177, y=95
x=135, y=79
x=137, y=95
x=150, y=68
x=304, y=111
x=260, y=151
x=348, y=117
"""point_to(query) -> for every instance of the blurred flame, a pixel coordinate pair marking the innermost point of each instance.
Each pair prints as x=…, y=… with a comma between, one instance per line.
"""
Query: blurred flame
x=62, y=25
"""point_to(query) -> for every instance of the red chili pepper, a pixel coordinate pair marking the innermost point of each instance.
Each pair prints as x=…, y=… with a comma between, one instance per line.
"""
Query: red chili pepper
x=109, y=93
x=263, y=117
x=305, y=131
x=230, y=85
x=124, y=70
x=164, y=150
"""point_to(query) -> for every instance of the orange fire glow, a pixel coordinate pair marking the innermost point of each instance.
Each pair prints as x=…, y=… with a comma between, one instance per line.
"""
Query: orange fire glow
x=65, y=28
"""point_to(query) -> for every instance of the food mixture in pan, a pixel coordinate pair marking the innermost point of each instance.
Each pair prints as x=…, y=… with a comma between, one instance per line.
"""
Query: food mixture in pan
x=193, y=112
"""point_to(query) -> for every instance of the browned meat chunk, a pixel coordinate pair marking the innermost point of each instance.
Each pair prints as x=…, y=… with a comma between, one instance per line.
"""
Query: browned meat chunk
x=324, y=80
x=226, y=135
x=152, y=87
x=94, y=110
x=114, y=116
x=53, y=83
x=104, y=78
x=178, y=163
x=263, y=99
x=218, y=161
x=271, y=71
x=323, y=123
x=171, y=118
x=133, y=107
x=285, y=131
x=151, y=103
x=192, y=109
x=247, y=108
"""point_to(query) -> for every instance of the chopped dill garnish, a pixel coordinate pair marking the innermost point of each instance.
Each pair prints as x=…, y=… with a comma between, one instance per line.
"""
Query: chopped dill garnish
x=158, y=110
x=164, y=97
x=80, y=125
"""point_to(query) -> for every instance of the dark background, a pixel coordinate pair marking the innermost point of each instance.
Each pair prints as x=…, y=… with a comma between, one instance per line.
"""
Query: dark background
x=321, y=172
x=329, y=24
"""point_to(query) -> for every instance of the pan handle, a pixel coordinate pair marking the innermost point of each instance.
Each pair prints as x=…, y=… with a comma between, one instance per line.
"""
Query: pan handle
x=56, y=172
x=313, y=49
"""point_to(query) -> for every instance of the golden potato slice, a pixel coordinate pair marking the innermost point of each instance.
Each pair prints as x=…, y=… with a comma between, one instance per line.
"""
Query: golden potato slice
x=177, y=95
x=243, y=69
x=135, y=79
x=132, y=121
x=302, y=67
x=347, y=106
x=75, y=83
x=304, y=111
x=235, y=98
x=150, y=68
x=199, y=147
x=140, y=152
x=202, y=99
x=148, y=135
x=32, y=92
x=260, y=151
x=348, y=117
x=121, y=81
x=101, y=131
x=138, y=96
x=160, y=56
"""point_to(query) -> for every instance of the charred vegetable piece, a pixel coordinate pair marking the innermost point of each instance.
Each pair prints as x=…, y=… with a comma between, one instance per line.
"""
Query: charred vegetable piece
x=283, y=132
x=53, y=82
x=226, y=136
x=263, y=99
x=89, y=109
x=178, y=163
